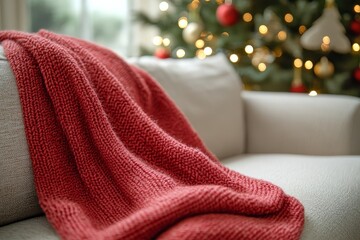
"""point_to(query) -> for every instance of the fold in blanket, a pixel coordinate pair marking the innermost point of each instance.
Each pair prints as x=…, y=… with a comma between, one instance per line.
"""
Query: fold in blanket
x=113, y=158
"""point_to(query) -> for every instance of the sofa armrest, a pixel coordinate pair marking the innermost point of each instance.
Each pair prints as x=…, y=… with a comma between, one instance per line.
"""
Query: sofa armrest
x=299, y=124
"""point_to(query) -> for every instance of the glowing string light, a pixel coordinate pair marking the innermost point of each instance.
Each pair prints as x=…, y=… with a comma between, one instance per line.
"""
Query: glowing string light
x=357, y=8
x=356, y=47
x=200, y=54
x=249, y=49
x=164, y=6
x=298, y=63
x=199, y=43
x=302, y=29
x=263, y=29
x=308, y=65
x=326, y=40
x=234, y=58
x=313, y=93
x=166, y=42
x=209, y=37
x=282, y=35
x=208, y=51
x=262, y=67
x=157, y=40
x=183, y=22
x=247, y=17
x=180, y=53
x=288, y=18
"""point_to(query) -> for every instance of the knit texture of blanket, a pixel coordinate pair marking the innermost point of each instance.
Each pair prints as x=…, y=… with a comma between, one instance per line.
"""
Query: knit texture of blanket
x=113, y=158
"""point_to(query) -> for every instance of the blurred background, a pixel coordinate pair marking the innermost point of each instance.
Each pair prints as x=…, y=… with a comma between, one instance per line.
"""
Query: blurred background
x=106, y=22
x=274, y=45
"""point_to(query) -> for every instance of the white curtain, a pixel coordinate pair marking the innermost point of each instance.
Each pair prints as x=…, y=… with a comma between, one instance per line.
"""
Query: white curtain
x=13, y=15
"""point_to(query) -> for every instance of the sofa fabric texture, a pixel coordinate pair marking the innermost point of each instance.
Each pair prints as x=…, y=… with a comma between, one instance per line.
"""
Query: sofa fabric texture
x=18, y=199
x=113, y=157
x=36, y=228
x=322, y=125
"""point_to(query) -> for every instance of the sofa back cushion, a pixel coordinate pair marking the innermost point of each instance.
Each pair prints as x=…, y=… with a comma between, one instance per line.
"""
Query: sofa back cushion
x=208, y=93
x=17, y=192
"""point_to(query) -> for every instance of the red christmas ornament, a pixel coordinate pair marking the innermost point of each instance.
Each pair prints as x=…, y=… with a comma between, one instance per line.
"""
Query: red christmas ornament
x=299, y=88
x=356, y=74
x=162, y=53
x=227, y=14
x=355, y=26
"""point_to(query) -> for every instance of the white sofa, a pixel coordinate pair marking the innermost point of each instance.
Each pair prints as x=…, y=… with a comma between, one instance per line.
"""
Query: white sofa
x=310, y=146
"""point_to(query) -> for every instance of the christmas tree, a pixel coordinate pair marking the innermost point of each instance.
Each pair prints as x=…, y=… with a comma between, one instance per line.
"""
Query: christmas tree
x=274, y=45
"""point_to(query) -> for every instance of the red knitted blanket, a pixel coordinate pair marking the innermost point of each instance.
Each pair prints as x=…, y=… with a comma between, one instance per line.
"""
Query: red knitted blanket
x=113, y=158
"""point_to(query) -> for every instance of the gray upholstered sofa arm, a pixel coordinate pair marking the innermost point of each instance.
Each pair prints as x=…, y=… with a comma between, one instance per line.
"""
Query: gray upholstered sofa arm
x=299, y=124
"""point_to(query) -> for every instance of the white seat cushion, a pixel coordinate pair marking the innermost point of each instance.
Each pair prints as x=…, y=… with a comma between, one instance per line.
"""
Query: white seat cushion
x=327, y=186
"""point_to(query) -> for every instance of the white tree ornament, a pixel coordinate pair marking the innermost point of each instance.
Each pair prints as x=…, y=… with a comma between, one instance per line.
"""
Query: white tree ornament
x=327, y=33
x=192, y=32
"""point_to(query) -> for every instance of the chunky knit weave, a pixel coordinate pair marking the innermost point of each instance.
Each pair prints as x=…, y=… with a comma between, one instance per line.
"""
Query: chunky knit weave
x=113, y=158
